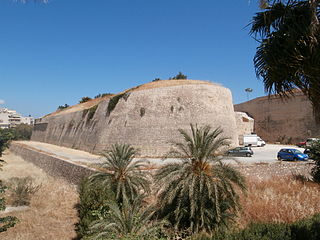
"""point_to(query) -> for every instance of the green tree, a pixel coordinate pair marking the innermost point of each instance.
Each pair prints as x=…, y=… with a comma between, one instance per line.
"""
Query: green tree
x=6, y=136
x=85, y=99
x=130, y=221
x=121, y=174
x=22, y=132
x=289, y=53
x=61, y=107
x=179, y=76
x=199, y=193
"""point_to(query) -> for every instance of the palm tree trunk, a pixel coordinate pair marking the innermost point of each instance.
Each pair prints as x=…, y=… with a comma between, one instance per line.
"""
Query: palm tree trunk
x=313, y=95
x=314, y=21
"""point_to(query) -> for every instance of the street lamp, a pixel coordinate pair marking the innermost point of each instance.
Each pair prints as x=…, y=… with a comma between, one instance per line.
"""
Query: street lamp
x=248, y=90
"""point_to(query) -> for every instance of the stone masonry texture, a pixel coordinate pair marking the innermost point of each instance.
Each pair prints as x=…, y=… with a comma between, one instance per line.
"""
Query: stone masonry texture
x=282, y=120
x=53, y=165
x=148, y=119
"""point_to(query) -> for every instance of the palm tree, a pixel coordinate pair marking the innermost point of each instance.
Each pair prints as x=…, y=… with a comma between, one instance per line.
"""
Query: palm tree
x=130, y=221
x=199, y=193
x=122, y=175
x=289, y=53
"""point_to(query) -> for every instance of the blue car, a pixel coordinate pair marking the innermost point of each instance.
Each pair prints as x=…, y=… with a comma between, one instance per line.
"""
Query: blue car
x=292, y=154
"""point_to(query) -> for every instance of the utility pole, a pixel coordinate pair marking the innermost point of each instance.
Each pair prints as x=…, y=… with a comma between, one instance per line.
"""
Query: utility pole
x=248, y=91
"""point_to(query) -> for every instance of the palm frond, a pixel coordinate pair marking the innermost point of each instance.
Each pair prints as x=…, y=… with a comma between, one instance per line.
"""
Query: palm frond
x=129, y=220
x=198, y=194
x=288, y=55
x=122, y=174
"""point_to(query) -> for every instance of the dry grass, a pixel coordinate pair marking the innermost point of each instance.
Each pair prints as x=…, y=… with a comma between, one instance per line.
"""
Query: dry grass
x=280, y=199
x=51, y=214
x=150, y=85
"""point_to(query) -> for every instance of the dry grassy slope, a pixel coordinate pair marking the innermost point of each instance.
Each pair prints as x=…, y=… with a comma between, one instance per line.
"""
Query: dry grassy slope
x=51, y=214
x=150, y=85
x=147, y=117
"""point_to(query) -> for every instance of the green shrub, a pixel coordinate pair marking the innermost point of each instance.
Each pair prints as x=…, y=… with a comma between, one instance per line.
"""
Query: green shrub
x=265, y=231
x=92, y=111
x=114, y=101
x=179, y=76
x=85, y=99
x=22, y=132
x=102, y=95
x=127, y=221
x=21, y=190
x=61, y=107
x=6, y=136
x=93, y=198
x=305, y=229
x=7, y=221
x=84, y=113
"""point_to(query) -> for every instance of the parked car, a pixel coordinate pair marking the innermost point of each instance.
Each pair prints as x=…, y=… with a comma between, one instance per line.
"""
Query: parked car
x=292, y=154
x=240, y=151
x=301, y=144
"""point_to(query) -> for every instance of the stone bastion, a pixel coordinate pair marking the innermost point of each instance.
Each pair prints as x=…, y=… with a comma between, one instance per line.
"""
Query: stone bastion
x=285, y=120
x=147, y=117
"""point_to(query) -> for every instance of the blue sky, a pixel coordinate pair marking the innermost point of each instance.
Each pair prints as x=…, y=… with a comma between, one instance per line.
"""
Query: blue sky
x=56, y=53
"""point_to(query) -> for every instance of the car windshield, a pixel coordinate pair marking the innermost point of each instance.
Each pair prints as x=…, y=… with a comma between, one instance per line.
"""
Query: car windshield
x=296, y=151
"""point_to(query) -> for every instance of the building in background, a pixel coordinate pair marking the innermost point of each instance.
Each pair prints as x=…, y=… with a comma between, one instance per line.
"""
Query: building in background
x=284, y=120
x=10, y=118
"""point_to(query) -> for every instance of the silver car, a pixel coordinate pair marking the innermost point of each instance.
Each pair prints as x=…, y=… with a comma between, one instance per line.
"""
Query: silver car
x=240, y=152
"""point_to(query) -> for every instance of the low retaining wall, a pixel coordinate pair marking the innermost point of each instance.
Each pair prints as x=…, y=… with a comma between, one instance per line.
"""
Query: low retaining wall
x=53, y=165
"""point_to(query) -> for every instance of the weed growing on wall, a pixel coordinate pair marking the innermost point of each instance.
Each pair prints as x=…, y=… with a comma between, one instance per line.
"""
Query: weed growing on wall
x=92, y=111
x=142, y=112
x=114, y=101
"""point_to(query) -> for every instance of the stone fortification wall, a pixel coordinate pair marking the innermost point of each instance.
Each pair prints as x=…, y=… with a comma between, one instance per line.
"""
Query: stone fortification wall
x=282, y=120
x=147, y=118
x=53, y=165
x=245, y=125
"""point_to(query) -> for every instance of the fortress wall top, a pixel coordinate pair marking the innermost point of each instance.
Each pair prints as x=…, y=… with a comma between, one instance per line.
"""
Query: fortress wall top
x=148, y=119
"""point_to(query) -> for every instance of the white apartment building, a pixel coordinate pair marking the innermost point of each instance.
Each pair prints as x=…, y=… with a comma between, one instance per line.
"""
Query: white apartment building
x=10, y=118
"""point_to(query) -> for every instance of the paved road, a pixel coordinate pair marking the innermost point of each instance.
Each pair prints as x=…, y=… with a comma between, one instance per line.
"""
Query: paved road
x=266, y=154
x=63, y=152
